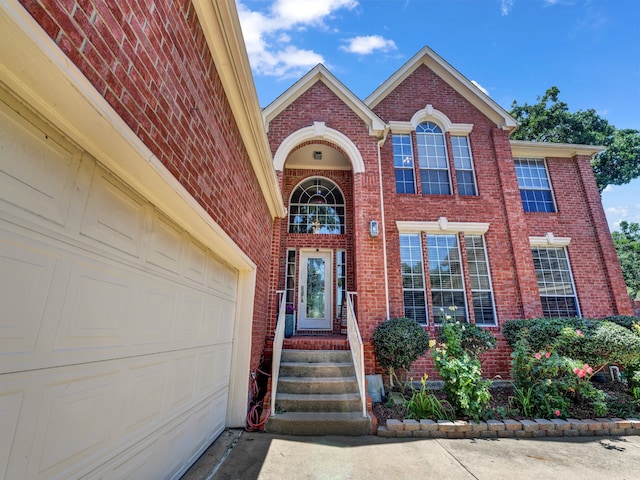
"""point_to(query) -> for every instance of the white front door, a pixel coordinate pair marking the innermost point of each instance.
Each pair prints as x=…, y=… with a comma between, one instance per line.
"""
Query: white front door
x=314, y=295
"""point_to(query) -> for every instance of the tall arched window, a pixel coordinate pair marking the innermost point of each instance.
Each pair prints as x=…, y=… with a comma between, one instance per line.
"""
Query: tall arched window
x=432, y=157
x=316, y=206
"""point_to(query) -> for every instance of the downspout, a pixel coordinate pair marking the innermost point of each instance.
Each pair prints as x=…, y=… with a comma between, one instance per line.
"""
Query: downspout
x=383, y=222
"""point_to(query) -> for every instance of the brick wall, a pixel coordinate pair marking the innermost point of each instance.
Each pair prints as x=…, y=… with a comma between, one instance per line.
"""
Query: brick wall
x=153, y=66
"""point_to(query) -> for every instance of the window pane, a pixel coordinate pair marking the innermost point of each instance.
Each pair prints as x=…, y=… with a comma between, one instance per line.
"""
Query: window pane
x=403, y=163
x=446, y=276
x=413, y=277
x=554, y=282
x=432, y=159
x=481, y=291
x=535, y=188
x=463, y=165
x=317, y=206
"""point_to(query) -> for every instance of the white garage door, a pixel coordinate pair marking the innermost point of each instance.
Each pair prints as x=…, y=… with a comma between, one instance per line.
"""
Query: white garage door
x=115, y=325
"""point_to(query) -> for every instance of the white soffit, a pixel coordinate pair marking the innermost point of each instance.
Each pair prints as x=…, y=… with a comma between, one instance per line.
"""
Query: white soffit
x=521, y=148
x=221, y=27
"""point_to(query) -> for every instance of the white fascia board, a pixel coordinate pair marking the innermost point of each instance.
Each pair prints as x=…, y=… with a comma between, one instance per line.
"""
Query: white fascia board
x=38, y=72
x=377, y=128
x=221, y=27
x=453, y=78
x=521, y=148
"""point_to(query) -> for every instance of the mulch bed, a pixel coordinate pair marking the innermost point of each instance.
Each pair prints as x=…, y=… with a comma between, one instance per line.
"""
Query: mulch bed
x=500, y=401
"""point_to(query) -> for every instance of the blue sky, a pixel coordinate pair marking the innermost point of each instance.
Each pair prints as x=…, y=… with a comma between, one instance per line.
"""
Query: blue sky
x=513, y=49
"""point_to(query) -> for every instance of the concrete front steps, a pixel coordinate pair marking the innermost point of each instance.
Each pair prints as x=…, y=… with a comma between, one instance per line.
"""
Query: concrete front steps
x=317, y=394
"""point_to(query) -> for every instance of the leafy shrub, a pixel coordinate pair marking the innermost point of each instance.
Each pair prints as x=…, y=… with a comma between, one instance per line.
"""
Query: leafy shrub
x=424, y=404
x=595, y=342
x=460, y=372
x=546, y=384
x=398, y=343
x=473, y=339
x=623, y=320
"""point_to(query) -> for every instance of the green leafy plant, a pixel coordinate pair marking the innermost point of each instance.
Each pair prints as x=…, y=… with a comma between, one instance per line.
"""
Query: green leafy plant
x=460, y=371
x=522, y=400
x=398, y=343
x=424, y=404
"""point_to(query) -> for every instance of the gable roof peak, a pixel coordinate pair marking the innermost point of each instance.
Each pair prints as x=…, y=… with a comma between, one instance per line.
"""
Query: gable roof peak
x=320, y=73
x=426, y=56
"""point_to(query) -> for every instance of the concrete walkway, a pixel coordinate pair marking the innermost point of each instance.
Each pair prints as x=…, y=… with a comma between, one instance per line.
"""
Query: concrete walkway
x=249, y=456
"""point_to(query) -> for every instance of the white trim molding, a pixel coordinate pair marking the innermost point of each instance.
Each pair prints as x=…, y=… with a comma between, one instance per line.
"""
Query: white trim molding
x=317, y=131
x=521, y=148
x=442, y=226
x=549, y=240
x=429, y=113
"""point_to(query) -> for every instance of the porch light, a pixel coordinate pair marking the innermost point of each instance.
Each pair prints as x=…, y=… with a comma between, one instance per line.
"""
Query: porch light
x=373, y=228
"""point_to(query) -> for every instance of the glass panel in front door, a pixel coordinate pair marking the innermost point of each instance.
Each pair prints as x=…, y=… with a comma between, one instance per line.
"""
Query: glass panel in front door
x=315, y=288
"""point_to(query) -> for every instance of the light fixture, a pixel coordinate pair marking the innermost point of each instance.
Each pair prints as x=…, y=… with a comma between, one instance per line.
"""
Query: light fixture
x=317, y=155
x=373, y=228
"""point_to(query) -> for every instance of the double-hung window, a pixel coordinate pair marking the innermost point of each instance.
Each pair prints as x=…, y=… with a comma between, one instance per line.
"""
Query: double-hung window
x=432, y=158
x=446, y=276
x=555, y=282
x=403, y=163
x=463, y=164
x=413, y=289
x=535, y=188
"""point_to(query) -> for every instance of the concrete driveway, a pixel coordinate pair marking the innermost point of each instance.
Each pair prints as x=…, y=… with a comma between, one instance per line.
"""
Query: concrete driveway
x=249, y=456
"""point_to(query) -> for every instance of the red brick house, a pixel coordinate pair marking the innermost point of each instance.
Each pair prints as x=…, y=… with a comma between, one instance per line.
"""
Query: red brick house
x=144, y=235
x=416, y=199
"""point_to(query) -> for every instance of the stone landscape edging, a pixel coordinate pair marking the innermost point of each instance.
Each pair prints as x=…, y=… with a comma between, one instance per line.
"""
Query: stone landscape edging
x=510, y=428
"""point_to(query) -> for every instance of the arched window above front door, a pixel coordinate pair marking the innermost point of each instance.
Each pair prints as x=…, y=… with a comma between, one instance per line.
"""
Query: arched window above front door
x=316, y=206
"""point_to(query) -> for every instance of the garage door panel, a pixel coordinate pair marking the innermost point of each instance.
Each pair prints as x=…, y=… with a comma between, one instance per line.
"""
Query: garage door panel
x=75, y=424
x=10, y=404
x=36, y=172
x=158, y=307
x=144, y=396
x=195, y=262
x=23, y=293
x=99, y=300
x=165, y=249
x=181, y=380
x=116, y=326
x=114, y=215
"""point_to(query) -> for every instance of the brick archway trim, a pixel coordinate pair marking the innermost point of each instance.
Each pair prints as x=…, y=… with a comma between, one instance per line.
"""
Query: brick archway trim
x=318, y=131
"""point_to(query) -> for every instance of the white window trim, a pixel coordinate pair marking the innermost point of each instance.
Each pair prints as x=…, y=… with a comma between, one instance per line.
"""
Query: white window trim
x=442, y=226
x=430, y=114
x=550, y=240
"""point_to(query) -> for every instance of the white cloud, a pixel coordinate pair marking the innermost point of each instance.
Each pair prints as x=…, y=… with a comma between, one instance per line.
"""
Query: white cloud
x=618, y=211
x=608, y=188
x=505, y=7
x=368, y=44
x=482, y=89
x=268, y=39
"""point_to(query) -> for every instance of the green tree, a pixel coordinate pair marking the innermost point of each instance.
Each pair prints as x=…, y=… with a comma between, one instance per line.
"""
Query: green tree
x=550, y=120
x=627, y=243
